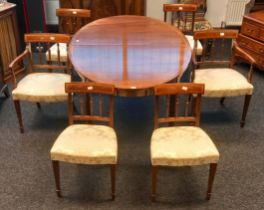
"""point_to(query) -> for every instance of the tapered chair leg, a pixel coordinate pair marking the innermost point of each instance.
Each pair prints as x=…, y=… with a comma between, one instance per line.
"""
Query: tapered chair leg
x=212, y=172
x=154, y=171
x=38, y=105
x=245, y=109
x=19, y=115
x=113, y=180
x=56, y=171
x=6, y=92
x=222, y=101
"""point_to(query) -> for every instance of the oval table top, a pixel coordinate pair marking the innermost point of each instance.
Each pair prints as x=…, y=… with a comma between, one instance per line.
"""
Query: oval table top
x=134, y=53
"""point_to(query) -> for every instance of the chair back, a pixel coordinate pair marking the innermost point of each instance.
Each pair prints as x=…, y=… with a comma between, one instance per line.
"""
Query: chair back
x=183, y=98
x=71, y=20
x=39, y=47
x=182, y=16
x=217, y=47
x=94, y=102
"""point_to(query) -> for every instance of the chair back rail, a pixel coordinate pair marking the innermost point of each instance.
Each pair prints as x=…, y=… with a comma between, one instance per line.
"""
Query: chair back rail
x=71, y=20
x=217, y=46
x=186, y=100
x=182, y=15
x=92, y=102
x=40, y=45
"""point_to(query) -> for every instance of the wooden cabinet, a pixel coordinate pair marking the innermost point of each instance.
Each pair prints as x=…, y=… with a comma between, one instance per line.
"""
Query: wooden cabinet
x=251, y=38
x=106, y=8
x=9, y=42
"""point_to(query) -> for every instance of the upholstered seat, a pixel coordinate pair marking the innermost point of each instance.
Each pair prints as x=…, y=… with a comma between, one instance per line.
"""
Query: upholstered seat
x=182, y=146
x=223, y=82
x=48, y=87
x=86, y=144
x=54, y=52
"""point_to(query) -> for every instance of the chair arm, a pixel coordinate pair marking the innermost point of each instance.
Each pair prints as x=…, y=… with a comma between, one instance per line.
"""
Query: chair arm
x=238, y=52
x=13, y=65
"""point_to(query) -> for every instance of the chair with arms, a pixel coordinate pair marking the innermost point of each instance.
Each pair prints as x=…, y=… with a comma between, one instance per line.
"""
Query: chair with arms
x=70, y=21
x=44, y=81
x=216, y=70
x=185, y=143
x=83, y=142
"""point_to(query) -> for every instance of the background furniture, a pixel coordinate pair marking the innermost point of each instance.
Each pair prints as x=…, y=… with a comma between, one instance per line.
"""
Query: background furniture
x=134, y=53
x=38, y=85
x=9, y=43
x=102, y=8
x=215, y=67
x=251, y=38
x=87, y=143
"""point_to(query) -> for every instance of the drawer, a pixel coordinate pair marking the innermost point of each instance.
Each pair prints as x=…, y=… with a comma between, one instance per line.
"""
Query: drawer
x=250, y=30
x=251, y=44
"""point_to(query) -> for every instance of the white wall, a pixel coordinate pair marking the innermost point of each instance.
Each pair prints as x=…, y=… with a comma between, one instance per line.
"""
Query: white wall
x=155, y=9
x=50, y=11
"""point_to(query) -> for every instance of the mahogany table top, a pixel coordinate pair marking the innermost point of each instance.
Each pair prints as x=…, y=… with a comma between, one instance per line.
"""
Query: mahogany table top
x=134, y=53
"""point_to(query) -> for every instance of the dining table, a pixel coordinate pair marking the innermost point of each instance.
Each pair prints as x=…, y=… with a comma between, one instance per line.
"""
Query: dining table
x=133, y=53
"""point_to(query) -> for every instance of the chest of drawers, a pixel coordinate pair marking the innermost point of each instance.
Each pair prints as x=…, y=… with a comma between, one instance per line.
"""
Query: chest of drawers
x=251, y=38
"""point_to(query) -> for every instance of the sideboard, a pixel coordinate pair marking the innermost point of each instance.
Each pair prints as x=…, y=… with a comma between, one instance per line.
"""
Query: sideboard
x=251, y=38
x=9, y=43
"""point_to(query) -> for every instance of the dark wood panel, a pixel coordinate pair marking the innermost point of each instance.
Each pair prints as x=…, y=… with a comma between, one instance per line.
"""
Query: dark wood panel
x=106, y=8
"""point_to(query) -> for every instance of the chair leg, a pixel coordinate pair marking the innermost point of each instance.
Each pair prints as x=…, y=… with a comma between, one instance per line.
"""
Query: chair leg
x=245, y=109
x=212, y=171
x=56, y=171
x=113, y=180
x=154, y=171
x=222, y=101
x=38, y=105
x=19, y=115
x=6, y=92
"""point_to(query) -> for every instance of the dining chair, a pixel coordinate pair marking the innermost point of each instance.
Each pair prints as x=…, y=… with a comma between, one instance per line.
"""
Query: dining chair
x=70, y=21
x=215, y=67
x=180, y=141
x=184, y=16
x=44, y=79
x=87, y=140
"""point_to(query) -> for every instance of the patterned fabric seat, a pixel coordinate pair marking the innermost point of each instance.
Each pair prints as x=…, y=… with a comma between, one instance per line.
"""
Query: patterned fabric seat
x=86, y=144
x=182, y=146
x=223, y=82
x=42, y=87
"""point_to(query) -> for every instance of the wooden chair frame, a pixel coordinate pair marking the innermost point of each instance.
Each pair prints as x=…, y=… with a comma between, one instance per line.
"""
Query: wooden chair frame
x=41, y=42
x=87, y=89
x=209, y=40
x=190, y=115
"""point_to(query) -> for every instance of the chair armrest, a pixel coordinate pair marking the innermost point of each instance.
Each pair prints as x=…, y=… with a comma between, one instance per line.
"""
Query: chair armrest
x=13, y=66
x=242, y=54
x=238, y=52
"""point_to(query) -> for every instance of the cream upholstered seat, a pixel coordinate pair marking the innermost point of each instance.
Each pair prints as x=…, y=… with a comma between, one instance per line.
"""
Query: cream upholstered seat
x=199, y=49
x=97, y=144
x=184, y=144
x=42, y=87
x=70, y=21
x=223, y=82
x=43, y=81
x=215, y=67
x=88, y=144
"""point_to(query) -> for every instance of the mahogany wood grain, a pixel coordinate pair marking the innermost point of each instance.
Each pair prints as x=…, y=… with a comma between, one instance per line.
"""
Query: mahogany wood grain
x=134, y=53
